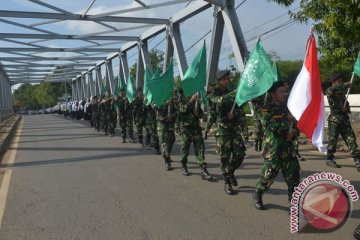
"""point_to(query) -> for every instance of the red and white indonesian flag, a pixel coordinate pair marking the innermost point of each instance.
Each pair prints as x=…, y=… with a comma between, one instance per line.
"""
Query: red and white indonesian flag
x=306, y=100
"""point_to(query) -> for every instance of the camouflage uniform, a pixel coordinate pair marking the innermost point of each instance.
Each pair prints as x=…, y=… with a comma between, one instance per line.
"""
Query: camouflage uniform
x=107, y=116
x=121, y=105
x=339, y=122
x=191, y=131
x=166, y=129
x=243, y=124
x=211, y=115
x=279, y=153
x=139, y=112
x=96, y=115
x=229, y=142
x=130, y=121
x=258, y=103
x=151, y=125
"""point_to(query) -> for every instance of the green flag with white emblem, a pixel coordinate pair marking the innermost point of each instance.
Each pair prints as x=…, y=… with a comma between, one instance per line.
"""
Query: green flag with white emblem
x=257, y=77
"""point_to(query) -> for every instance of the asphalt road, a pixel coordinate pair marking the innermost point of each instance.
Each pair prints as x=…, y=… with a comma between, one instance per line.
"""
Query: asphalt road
x=69, y=182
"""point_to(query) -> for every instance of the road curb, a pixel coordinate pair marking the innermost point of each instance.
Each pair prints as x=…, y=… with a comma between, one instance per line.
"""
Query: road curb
x=7, y=130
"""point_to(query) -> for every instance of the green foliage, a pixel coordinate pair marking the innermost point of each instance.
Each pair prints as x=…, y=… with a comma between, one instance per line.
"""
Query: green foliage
x=337, y=24
x=32, y=97
x=156, y=58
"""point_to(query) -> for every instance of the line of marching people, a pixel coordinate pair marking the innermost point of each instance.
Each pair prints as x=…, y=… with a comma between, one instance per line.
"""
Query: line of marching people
x=275, y=129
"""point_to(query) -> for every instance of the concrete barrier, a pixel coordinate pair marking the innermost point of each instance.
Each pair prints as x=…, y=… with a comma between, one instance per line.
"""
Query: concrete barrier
x=7, y=128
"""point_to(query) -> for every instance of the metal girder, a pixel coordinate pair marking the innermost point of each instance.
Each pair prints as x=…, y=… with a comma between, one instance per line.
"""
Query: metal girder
x=187, y=13
x=66, y=37
x=98, y=79
x=35, y=65
x=235, y=34
x=179, y=49
x=149, y=6
x=215, y=47
x=146, y=56
x=169, y=53
x=152, y=32
x=124, y=65
x=110, y=75
x=140, y=69
x=141, y=3
x=219, y=3
x=9, y=59
x=61, y=16
x=91, y=83
x=46, y=49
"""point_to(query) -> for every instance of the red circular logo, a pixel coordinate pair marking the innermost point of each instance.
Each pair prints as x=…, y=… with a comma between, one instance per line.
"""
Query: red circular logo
x=325, y=206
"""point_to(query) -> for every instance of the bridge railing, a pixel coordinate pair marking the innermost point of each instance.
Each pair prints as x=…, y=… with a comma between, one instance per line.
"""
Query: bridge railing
x=5, y=114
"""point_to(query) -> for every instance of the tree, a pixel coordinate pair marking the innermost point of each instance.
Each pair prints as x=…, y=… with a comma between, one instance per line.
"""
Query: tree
x=156, y=58
x=44, y=94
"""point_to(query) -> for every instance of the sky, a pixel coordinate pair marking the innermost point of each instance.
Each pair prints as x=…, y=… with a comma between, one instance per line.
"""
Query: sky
x=255, y=17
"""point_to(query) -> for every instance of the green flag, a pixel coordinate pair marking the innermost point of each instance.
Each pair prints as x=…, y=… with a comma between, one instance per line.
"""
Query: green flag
x=277, y=72
x=194, y=79
x=257, y=77
x=357, y=66
x=161, y=87
x=122, y=84
x=147, y=79
x=130, y=90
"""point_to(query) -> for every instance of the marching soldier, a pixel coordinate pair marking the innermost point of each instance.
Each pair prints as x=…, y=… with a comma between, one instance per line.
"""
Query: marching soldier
x=190, y=113
x=166, y=116
x=257, y=104
x=139, y=111
x=339, y=122
x=108, y=114
x=229, y=142
x=279, y=152
x=96, y=113
x=152, y=128
x=211, y=116
x=122, y=105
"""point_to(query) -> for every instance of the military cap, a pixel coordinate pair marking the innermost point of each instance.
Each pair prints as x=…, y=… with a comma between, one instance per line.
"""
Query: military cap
x=276, y=85
x=222, y=73
x=336, y=77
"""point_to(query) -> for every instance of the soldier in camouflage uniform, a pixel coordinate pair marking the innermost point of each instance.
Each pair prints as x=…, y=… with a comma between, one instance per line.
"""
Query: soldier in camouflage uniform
x=211, y=115
x=279, y=151
x=166, y=116
x=339, y=122
x=96, y=113
x=229, y=143
x=257, y=104
x=243, y=124
x=130, y=122
x=190, y=113
x=139, y=112
x=151, y=125
x=122, y=104
x=108, y=114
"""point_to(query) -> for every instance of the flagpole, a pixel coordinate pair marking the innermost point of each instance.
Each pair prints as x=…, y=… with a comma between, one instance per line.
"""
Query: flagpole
x=348, y=91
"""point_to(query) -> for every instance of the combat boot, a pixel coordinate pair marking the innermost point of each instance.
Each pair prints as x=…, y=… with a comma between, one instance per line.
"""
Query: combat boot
x=331, y=162
x=233, y=180
x=167, y=164
x=357, y=163
x=124, y=140
x=205, y=175
x=258, y=200
x=184, y=169
x=157, y=149
x=228, y=188
x=256, y=145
